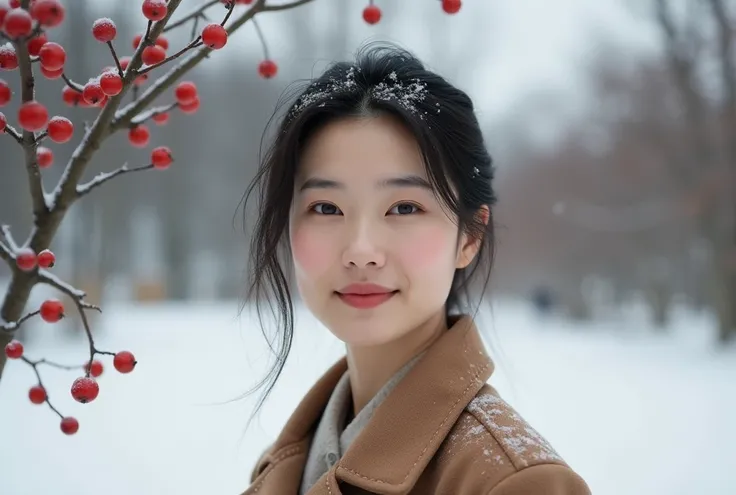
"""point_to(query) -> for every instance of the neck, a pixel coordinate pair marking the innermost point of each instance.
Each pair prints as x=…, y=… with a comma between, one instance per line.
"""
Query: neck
x=372, y=367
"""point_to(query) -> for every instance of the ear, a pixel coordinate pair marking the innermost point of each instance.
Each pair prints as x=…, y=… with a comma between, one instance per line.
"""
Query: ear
x=468, y=246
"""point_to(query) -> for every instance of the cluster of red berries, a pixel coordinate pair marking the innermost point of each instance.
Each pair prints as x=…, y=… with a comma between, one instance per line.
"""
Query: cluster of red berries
x=84, y=389
x=372, y=13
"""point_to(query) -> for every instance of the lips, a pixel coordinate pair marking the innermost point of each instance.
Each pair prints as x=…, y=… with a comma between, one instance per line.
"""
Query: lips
x=366, y=301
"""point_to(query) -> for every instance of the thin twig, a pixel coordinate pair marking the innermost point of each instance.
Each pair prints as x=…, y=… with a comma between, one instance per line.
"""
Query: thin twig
x=115, y=56
x=149, y=114
x=75, y=86
x=34, y=365
x=84, y=189
x=5, y=253
x=8, y=235
x=285, y=6
x=42, y=136
x=10, y=131
x=262, y=38
x=229, y=13
x=59, y=366
x=192, y=44
x=199, y=12
x=12, y=326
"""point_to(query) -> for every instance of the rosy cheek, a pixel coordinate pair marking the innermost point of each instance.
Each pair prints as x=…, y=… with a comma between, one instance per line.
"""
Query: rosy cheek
x=427, y=248
x=312, y=250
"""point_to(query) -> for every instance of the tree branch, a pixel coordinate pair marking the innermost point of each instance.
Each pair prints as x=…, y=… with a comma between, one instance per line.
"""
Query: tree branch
x=192, y=15
x=6, y=253
x=84, y=189
x=75, y=86
x=28, y=138
x=8, y=235
x=65, y=192
x=149, y=114
x=285, y=6
x=192, y=44
x=10, y=131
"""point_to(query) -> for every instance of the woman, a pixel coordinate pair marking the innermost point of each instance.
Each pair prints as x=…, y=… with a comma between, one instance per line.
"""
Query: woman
x=379, y=186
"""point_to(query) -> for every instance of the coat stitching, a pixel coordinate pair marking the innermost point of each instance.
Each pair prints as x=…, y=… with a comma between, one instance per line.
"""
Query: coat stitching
x=436, y=432
x=287, y=453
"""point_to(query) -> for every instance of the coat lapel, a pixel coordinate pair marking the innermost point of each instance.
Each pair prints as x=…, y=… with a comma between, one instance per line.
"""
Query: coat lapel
x=408, y=427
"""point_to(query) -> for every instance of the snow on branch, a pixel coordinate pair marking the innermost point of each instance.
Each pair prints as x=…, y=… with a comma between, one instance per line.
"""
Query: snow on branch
x=100, y=179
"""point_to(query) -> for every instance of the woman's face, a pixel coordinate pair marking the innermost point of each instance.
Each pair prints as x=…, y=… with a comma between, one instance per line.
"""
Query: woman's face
x=363, y=213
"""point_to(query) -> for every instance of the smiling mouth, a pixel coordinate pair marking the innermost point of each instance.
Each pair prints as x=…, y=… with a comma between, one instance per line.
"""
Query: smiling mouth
x=366, y=301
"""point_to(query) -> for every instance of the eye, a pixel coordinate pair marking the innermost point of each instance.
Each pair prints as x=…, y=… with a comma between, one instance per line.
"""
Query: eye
x=327, y=209
x=404, y=209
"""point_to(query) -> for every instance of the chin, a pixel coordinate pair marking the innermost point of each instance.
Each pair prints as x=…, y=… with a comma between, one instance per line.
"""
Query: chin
x=364, y=328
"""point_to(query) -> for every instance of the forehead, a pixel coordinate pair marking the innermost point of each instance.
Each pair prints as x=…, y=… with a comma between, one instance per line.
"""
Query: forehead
x=361, y=149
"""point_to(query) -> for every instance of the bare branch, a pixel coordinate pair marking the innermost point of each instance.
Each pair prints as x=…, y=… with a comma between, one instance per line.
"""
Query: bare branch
x=8, y=235
x=115, y=57
x=149, y=114
x=34, y=365
x=48, y=278
x=75, y=86
x=100, y=179
x=10, y=131
x=29, y=147
x=12, y=326
x=192, y=44
x=66, y=191
x=285, y=6
x=199, y=12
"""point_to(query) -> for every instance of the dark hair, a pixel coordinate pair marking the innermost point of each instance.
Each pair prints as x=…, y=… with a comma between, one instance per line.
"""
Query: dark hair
x=383, y=79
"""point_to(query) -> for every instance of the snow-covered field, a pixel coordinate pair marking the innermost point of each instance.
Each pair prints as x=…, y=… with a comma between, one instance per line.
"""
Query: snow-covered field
x=633, y=412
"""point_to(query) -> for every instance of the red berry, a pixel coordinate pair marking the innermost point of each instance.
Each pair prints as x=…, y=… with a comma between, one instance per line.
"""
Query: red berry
x=85, y=389
x=124, y=362
x=35, y=44
x=95, y=369
x=52, y=311
x=8, y=57
x=214, y=36
x=154, y=10
x=32, y=116
x=69, y=425
x=52, y=74
x=5, y=93
x=190, y=107
x=60, y=129
x=14, y=349
x=93, y=93
x=161, y=157
x=124, y=62
x=139, y=136
x=111, y=83
x=451, y=6
x=46, y=259
x=44, y=157
x=4, y=9
x=137, y=41
x=140, y=80
x=26, y=259
x=14, y=4
x=3, y=122
x=185, y=92
x=71, y=96
x=162, y=42
x=18, y=23
x=267, y=69
x=372, y=14
x=104, y=30
x=37, y=394
x=153, y=55
x=52, y=56
x=161, y=118
x=48, y=12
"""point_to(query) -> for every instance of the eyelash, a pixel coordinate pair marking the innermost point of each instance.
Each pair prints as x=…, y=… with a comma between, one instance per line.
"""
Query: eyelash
x=416, y=206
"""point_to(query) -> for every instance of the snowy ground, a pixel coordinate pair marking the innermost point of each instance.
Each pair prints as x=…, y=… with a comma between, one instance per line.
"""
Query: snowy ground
x=632, y=412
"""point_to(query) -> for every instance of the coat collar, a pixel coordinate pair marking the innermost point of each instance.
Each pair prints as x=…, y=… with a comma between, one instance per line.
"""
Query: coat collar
x=414, y=419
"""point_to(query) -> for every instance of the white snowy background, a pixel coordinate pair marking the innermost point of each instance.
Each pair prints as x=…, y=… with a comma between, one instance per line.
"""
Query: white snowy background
x=632, y=412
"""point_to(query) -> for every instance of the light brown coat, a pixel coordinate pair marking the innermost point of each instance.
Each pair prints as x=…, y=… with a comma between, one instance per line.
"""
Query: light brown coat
x=441, y=431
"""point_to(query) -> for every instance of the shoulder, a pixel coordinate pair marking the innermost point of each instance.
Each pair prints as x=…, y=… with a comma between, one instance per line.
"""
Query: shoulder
x=491, y=449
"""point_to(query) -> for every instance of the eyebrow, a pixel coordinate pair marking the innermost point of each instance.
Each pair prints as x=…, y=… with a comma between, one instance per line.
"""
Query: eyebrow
x=395, y=182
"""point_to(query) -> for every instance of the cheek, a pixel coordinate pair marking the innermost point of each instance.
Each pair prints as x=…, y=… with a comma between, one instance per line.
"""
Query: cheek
x=427, y=249
x=311, y=251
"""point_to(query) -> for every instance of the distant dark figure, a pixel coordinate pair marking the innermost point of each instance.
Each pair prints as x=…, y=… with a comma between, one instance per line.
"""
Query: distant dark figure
x=543, y=300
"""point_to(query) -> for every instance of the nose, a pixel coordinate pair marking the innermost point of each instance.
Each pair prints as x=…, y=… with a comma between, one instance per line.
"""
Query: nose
x=363, y=248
